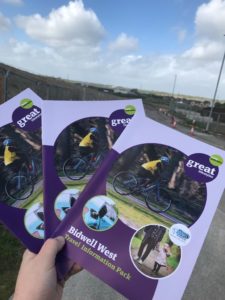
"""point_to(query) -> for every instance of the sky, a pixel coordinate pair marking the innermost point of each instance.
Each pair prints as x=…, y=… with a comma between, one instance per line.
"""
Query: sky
x=141, y=44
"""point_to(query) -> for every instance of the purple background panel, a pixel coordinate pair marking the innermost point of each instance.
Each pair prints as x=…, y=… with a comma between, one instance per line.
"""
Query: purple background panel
x=52, y=187
x=117, y=239
x=194, y=172
x=30, y=125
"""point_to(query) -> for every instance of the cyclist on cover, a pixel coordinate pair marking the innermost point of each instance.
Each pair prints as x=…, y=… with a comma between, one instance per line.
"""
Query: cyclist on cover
x=152, y=169
x=90, y=143
x=12, y=159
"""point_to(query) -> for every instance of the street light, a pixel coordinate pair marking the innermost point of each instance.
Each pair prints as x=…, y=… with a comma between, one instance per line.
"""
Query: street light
x=214, y=97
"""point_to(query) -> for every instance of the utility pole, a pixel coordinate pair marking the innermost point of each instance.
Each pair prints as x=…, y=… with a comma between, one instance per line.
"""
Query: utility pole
x=215, y=93
x=174, y=84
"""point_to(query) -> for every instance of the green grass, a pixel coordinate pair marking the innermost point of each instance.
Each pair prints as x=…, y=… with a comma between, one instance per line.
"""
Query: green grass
x=11, y=252
x=136, y=214
x=79, y=186
x=136, y=242
x=172, y=262
x=37, y=199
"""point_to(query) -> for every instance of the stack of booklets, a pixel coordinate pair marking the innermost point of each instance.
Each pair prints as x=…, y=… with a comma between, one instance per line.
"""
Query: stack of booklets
x=134, y=199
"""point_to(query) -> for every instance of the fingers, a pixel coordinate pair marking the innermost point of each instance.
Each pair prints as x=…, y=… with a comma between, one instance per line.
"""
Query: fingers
x=28, y=255
x=49, y=251
x=74, y=270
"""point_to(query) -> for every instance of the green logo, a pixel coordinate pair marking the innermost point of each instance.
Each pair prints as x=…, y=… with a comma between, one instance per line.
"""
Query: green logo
x=26, y=103
x=216, y=160
x=130, y=110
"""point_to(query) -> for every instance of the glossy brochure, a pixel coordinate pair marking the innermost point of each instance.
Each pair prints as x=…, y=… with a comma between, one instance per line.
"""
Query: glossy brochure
x=141, y=221
x=21, y=194
x=77, y=136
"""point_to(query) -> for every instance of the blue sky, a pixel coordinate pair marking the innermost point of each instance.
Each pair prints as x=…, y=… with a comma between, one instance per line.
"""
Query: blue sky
x=138, y=44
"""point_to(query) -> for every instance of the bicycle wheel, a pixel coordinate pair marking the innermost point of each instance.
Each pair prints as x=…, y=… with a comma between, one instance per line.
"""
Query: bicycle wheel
x=158, y=199
x=75, y=168
x=36, y=168
x=19, y=187
x=124, y=183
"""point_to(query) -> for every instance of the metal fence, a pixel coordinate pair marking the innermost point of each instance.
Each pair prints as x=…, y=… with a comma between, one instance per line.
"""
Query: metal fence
x=200, y=114
x=12, y=82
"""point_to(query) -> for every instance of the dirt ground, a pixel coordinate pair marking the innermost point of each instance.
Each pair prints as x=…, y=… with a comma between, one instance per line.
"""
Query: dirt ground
x=148, y=265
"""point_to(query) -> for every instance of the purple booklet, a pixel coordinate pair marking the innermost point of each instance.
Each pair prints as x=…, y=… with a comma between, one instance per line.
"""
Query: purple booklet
x=77, y=136
x=141, y=221
x=21, y=196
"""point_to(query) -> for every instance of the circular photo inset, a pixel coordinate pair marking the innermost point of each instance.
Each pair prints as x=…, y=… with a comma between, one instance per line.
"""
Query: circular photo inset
x=149, y=185
x=153, y=253
x=64, y=201
x=20, y=166
x=34, y=220
x=80, y=149
x=100, y=213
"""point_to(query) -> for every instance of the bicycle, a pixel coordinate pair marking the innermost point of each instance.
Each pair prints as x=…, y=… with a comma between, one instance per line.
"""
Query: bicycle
x=20, y=185
x=76, y=167
x=155, y=194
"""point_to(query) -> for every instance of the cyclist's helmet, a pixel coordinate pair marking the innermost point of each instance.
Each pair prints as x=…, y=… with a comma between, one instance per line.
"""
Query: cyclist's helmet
x=8, y=142
x=93, y=130
x=165, y=160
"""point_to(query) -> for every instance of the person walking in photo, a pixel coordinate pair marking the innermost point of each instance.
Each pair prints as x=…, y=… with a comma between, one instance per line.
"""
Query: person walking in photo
x=153, y=235
x=160, y=259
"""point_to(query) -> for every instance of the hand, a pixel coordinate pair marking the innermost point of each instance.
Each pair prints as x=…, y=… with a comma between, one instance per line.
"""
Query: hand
x=37, y=279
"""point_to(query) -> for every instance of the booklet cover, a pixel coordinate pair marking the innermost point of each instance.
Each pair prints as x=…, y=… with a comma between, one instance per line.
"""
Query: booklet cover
x=141, y=221
x=77, y=136
x=21, y=197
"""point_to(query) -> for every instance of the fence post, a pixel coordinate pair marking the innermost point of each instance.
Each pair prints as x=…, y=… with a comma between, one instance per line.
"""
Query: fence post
x=217, y=121
x=6, y=85
x=2, y=78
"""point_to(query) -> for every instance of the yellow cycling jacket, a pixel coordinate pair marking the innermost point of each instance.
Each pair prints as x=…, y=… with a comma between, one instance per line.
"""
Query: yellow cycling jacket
x=9, y=157
x=86, y=141
x=151, y=165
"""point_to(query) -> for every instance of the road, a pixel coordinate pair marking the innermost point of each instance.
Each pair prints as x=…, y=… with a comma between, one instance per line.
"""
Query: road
x=214, y=140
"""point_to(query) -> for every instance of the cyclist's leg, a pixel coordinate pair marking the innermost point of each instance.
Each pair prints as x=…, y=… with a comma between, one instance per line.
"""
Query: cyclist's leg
x=85, y=151
x=145, y=176
x=151, y=178
x=16, y=166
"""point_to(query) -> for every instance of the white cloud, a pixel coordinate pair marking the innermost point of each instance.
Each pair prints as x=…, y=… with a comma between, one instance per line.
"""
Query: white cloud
x=124, y=43
x=210, y=30
x=68, y=25
x=4, y=22
x=71, y=46
x=210, y=20
x=13, y=2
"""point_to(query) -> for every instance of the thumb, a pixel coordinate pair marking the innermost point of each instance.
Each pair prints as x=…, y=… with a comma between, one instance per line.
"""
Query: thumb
x=49, y=251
